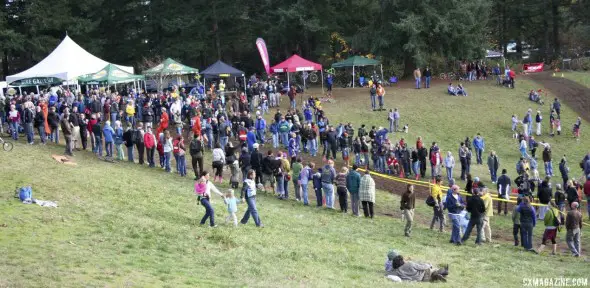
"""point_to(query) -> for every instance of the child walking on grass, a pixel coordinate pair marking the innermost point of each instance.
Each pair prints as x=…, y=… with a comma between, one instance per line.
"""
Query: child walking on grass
x=232, y=206
x=576, y=129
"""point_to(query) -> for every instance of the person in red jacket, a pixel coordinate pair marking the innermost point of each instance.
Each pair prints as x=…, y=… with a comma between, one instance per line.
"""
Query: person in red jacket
x=91, y=123
x=512, y=76
x=163, y=122
x=435, y=161
x=196, y=124
x=149, y=141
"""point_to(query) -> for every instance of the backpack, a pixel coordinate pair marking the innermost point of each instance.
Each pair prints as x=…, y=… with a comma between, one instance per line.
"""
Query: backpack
x=25, y=193
x=242, y=135
x=176, y=147
x=284, y=127
x=196, y=147
x=200, y=188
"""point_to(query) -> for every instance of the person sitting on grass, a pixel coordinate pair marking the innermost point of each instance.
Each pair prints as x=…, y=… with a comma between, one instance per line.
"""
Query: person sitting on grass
x=451, y=90
x=461, y=91
x=412, y=271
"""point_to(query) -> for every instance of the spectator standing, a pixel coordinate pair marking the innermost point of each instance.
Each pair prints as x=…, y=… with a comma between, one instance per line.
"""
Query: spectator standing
x=427, y=76
x=367, y=193
x=573, y=224
x=417, y=77
x=504, y=191
x=475, y=206
x=455, y=205
x=407, y=205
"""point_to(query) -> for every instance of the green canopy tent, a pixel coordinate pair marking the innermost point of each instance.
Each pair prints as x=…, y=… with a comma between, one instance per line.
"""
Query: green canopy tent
x=357, y=61
x=110, y=74
x=168, y=68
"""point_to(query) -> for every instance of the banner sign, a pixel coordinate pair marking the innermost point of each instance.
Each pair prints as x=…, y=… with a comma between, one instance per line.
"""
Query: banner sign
x=37, y=81
x=533, y=67
x=261, y=45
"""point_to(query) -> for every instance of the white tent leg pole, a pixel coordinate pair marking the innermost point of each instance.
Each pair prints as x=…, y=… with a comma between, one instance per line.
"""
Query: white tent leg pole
x=37, y=89
x=352, y=76
x=382, y=79
x=322, y=80
x=288, y=81
x=20, y=91
x=303, y=82
x=245, y=85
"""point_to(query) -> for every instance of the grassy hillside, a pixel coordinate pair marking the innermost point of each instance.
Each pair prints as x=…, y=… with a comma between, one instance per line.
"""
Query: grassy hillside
x=436, y=116
x=121, y=225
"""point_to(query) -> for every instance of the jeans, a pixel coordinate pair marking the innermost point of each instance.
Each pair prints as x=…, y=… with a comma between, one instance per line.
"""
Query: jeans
x=55, y=135
x=418, y=81
x=167, y=161
x=209, y=212
x=391, y=129
x=42, y=135
x=97, y=145
x=354, y=203
x=478, y=223
x=449, y=173
x=374, y=101
x=280, y=186
x=29, y=132
x=293, y=104
x=479, y=152
x=318, y=197
x=329, y=192
x=526, y=235
x=113, y=119
x=223, y=141
x=252, y=211
x=494, y=175
x=304, y=193
x=285, y=138
x=380, y=98
x=275, y=140
x=182, y=165
x=456, y=232
x=14, y=130
x=342, y=195
x=573, y=241
x=109, y=148
x=438, y=216
x=548, y=169
x=409, y=215
x=150, y=156
x=313, y=146
x=130, y=153
x=427, y=82
x=416, y=168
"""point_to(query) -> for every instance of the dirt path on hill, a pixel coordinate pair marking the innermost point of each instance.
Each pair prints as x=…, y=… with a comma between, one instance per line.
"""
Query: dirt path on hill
x=569, y=92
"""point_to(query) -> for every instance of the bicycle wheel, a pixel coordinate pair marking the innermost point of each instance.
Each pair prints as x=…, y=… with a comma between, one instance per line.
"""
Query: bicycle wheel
x=313, y=77
x=7, y=146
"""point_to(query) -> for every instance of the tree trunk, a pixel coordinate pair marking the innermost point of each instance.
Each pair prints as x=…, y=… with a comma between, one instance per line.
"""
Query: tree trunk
x=408, y=66
x=546, y=49
x=216, y=32
x=556, y=26
x=5, y=63
x=503, y=43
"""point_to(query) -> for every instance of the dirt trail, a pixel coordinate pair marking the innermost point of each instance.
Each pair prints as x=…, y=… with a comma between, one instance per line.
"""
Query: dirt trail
x=571, y=93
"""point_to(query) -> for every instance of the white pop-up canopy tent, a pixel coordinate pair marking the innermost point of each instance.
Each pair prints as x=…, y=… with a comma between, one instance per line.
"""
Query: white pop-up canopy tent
x=67, y=62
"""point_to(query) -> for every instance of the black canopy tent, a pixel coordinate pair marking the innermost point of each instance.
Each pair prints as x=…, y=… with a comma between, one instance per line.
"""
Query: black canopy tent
x=220, y=69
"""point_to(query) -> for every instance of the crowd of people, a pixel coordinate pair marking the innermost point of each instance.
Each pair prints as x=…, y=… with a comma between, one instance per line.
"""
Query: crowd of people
x=235, y=130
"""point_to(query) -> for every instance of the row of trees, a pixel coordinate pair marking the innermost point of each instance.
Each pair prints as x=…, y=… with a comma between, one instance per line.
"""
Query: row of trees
x=197, y=32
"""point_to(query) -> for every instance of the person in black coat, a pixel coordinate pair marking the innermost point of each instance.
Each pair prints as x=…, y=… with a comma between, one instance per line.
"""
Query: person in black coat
x=147, y=115
x=422, y=154
x=129, y=143
x=39, y=122
x=477, y=208
x=332, y=139
x=564, y=170
x=256, y=163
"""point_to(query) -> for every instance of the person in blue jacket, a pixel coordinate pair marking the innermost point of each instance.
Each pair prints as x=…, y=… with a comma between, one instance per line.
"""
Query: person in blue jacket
x=479, y=145
x=274, y=130
x=251, y=139
x=260, y=129
x=108, y=132
x=455, y=204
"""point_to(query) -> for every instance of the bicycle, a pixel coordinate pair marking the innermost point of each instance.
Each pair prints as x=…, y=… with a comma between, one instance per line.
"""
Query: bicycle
x=7, y=146
x=312, y=76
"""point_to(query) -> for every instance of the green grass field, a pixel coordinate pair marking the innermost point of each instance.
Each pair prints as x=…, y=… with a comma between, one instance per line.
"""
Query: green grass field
x=121, y=225
x=436, y=116
x=580, y=77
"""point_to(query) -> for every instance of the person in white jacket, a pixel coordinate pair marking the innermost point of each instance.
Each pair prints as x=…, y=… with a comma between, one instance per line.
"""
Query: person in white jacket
x=203, y=189
x=449, y=164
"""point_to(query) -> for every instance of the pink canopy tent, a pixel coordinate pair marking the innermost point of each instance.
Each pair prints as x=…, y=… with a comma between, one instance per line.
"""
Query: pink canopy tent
x=297, y=64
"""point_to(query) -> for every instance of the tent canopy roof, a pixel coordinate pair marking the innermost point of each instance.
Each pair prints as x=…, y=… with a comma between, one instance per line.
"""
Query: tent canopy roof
x=67, y=61
x=110, y=74
x=221, y=69
x=170, y=67
x=356, y=61
x=493, y=54
x=295, y=64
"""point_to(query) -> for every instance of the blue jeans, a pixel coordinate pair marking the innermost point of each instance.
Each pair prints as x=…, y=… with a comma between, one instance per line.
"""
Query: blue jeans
x=416, y=168
x=113, y=119
x=456, y=232
x=209, y=139
x=380, y=98
x=478, y=223
x=391, y=128
x=523, y=152
x=167, y=161
x=418, y=81
x=494, y=174
x=548, y=168
x=304, y=193
x=526, y=235
x=275, y=140
x=182, y=165
x=14, y=130
x=209, y=212
x=374, y=101
x=329, y=192
x=223, y=141
x=285, y=138
x=252, y=211
x=449, y=173
x=177, y=162
x=479, y=152
x=130, y=154
x=260, y=136
x=109, y=148
x=427, y=80
x=55, y=135
x=29, y=132
x=98, y=145
x=313, y=146
x=293, y=104
x=42, y=135
x=280, y=185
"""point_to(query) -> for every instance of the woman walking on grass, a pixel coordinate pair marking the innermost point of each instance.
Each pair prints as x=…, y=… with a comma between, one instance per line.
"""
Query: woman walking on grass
x=203, y=189
x=218, y=162
x=249, y=196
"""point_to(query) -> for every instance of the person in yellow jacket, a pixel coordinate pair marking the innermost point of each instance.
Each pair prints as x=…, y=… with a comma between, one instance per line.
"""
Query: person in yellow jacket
x=130, y=112
x=487, y=201
x=436, y=193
